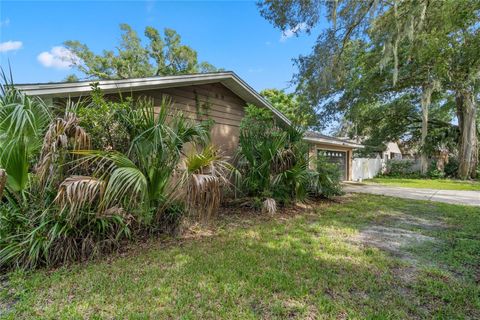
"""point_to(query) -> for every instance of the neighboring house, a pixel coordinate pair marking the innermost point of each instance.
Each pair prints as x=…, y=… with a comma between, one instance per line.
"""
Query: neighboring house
x=387, y=151
x=409, y=151
x=391, y=152
x=220, y=96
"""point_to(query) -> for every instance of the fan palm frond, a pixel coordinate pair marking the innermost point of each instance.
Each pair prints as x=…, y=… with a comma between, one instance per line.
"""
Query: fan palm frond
x=63, y=133
x=269, y=206
x=76, y=192
x=21, y=115
x=23, y=120
x=206, y=173
x=125, y=184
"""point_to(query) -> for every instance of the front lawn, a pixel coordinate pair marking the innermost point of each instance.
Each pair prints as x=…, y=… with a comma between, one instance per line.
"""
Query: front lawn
x=365, y=257
x=440, y=184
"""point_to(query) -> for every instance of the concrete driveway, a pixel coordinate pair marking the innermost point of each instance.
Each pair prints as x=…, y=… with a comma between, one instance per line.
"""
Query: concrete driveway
x=471, y=198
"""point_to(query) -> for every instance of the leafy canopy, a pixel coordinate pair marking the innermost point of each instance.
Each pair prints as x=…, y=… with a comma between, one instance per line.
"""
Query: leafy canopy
x=374, y=54
x=163, y=55
x=292, y=106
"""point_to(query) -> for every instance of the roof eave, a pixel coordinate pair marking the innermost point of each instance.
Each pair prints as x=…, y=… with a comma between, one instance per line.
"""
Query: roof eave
x=228, y=79
x=334, y=143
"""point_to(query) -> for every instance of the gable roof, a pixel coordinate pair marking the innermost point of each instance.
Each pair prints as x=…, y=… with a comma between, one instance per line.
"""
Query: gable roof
x=229, y=79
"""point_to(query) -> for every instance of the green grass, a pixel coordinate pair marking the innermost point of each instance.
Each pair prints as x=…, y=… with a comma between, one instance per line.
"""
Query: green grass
x=298, y=266
x=440, y=184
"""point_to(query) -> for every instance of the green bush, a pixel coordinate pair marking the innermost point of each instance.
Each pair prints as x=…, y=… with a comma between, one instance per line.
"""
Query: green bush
x=451, y=168
x=274, y=163
x=33, y=236
x=433, y=172
x=401, y=168
x=34, y=229
x=326, y=182
x=48, y=217
x=102, y=119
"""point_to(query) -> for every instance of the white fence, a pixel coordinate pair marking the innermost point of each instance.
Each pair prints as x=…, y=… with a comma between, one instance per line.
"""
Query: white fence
x=366, y=168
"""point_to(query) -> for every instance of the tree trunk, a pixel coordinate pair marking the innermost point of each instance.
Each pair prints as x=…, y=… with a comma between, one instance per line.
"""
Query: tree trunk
x=442, y=160
x=427, y=91
x=468, y=144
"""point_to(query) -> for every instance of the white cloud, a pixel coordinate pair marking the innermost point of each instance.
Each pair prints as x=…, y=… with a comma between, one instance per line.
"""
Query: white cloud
x=293, y=31
x=10, y=46
x=268, y=43
x=4, y=23
x=58, y=57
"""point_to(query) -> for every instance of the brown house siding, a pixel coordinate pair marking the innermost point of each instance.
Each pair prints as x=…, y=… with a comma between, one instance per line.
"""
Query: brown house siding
x=215, y=101
x=209, y=101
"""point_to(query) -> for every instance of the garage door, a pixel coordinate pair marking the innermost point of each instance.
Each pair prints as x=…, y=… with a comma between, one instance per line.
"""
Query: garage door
x=337, y=157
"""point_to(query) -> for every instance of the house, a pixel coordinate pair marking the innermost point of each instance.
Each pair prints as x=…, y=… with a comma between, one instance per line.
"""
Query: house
x=392, y=152
x=385, y=151
x=222, y=96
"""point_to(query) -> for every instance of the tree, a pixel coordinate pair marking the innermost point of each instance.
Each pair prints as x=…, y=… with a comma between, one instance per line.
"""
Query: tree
x=71, y=78
x=162, y=56
x=422, y=46
x=292, y=106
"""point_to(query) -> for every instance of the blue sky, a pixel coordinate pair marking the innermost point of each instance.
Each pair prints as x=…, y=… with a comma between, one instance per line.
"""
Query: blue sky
x=230, y=35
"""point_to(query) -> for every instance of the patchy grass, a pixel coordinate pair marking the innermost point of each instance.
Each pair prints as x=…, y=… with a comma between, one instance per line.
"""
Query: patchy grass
x=439, y=184
x=318, y=263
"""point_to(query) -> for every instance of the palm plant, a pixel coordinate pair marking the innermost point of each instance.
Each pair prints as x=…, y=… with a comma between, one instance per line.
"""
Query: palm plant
x=23, y=121
x=325, y=181
x=63, y=134
x=205, y=174
x=146, y=179
x=32, y=230
x=273, y=160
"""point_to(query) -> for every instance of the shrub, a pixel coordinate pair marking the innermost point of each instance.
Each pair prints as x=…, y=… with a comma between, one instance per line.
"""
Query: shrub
x=272, y=160
x=143, y=181
x=433, y=172
x=274, y=163
x=47, y=219
x=451, y=168
x=206, y=175
x=34, y=229
x=102, y=119
x=401, y=168
x=326, y=182
x=33, y=236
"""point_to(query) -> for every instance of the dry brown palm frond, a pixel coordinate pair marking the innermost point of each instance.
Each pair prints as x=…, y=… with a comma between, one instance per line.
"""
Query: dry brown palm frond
x=284, y=160
x=269, y=206
x=76, y=192
x=203, y=195
x=205, y=175
x=62, y=134
x=3, y=181
x=118, y=211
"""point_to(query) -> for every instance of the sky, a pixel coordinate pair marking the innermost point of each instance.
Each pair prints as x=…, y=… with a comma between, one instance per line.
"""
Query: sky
x=228, y=34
